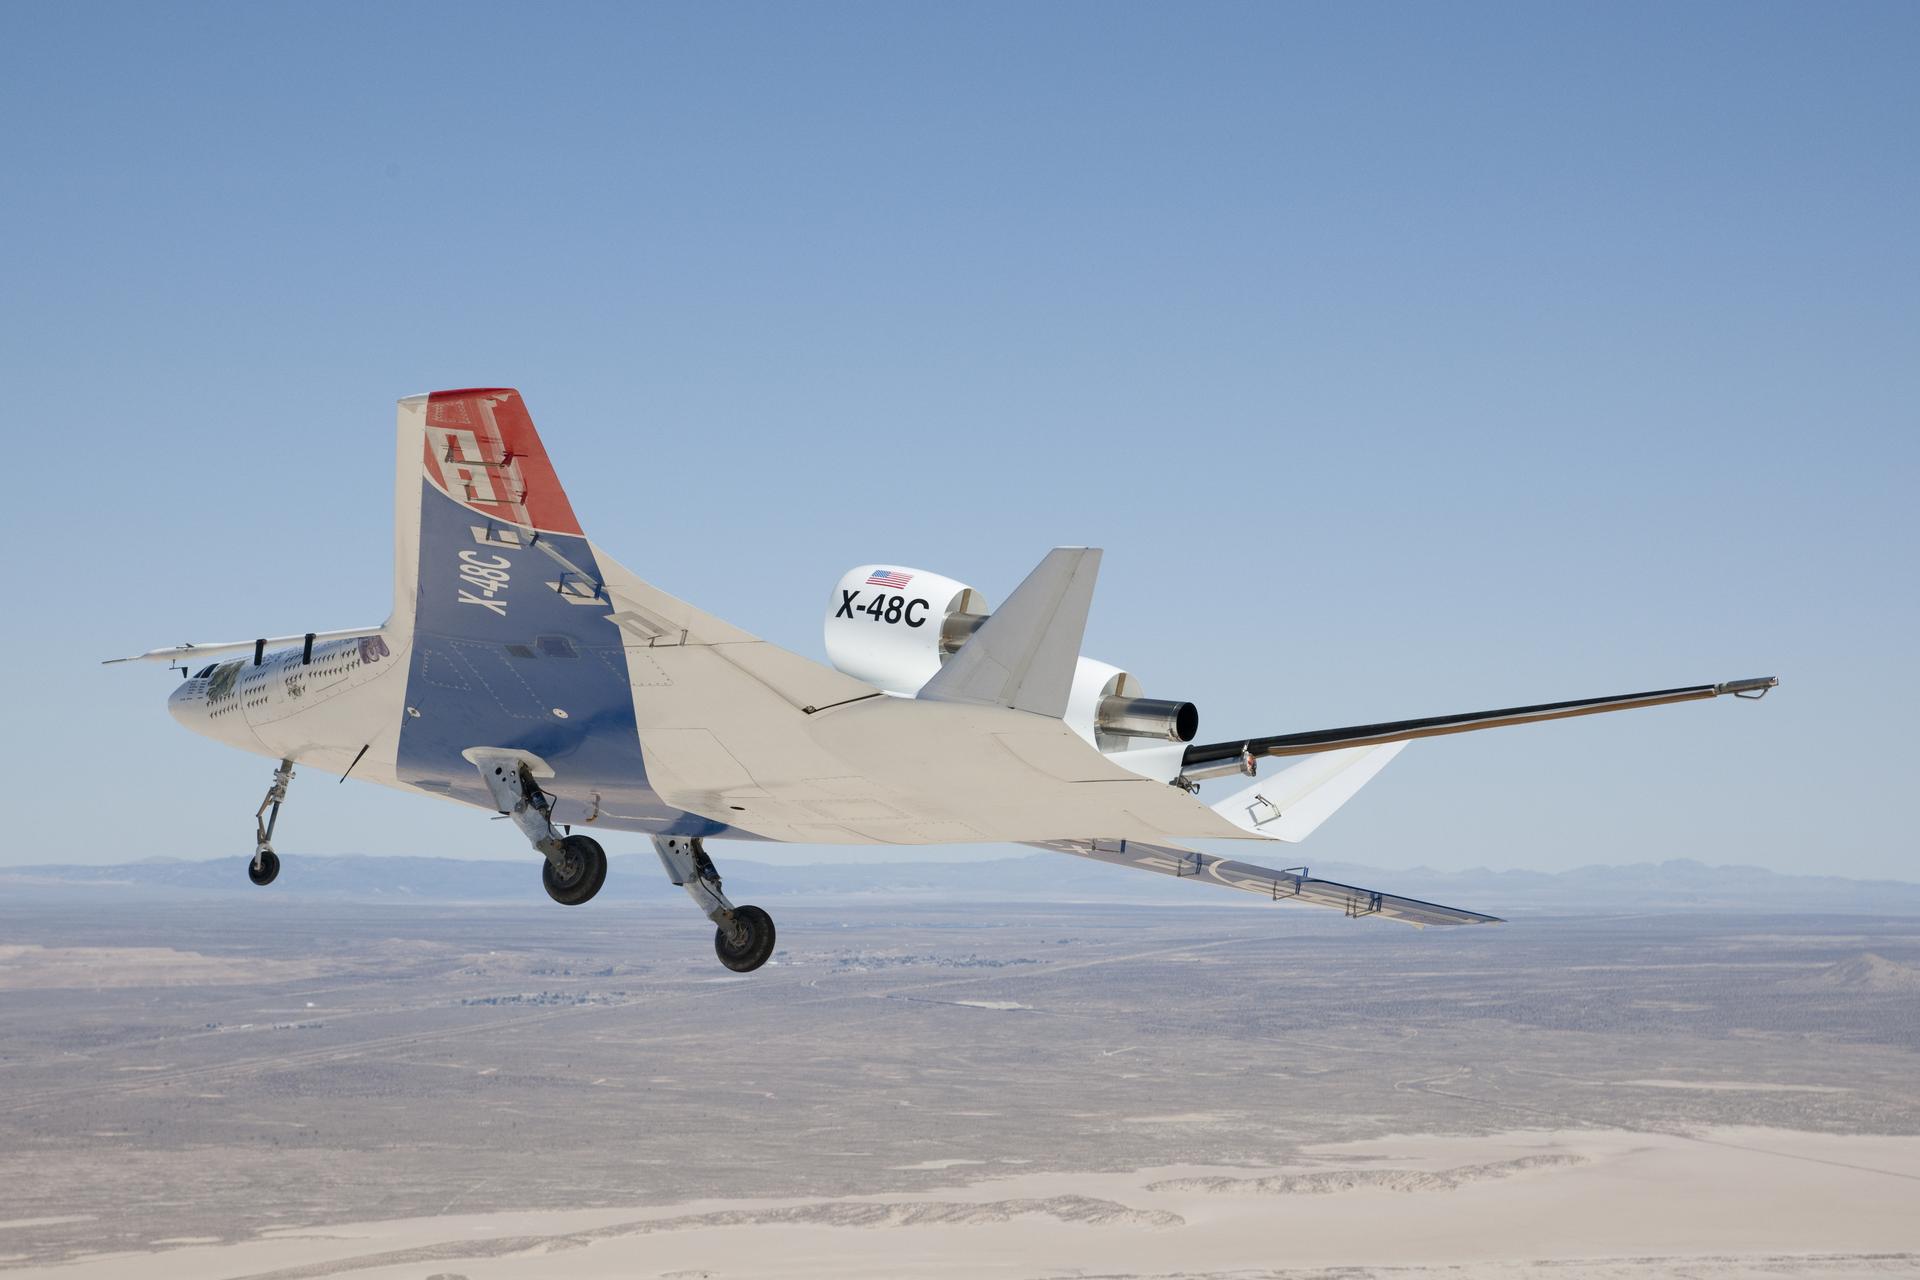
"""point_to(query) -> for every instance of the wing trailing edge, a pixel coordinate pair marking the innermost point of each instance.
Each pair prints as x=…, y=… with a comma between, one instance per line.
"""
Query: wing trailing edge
x=1290, y=885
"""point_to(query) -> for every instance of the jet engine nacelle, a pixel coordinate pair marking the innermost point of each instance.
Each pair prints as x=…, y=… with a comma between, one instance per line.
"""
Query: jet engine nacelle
x=892, y=626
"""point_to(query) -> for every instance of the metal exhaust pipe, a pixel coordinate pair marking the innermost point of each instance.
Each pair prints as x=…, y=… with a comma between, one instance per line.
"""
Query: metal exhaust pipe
x=1147, y=718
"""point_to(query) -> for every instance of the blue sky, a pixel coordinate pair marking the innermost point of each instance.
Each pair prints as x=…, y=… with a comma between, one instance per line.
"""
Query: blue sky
x=1405, y=359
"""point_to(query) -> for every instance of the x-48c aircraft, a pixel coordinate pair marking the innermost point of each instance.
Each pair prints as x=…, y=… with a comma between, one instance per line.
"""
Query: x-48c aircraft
x=523, y=671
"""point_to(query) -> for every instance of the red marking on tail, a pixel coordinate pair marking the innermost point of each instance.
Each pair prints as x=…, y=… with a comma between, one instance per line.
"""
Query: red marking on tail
x=483, y=452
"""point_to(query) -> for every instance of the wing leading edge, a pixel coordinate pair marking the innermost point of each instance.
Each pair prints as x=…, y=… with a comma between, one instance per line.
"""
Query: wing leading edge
x=1290, y=885
x=1205, y=760
x=193, y=649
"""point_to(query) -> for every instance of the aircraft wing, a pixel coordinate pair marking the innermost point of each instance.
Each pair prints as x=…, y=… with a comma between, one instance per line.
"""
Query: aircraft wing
x=1206, y=760
x=1290, y=885
x=192, y=649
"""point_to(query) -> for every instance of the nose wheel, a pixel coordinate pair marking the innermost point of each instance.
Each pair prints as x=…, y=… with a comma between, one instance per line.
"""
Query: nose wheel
x=266, y=863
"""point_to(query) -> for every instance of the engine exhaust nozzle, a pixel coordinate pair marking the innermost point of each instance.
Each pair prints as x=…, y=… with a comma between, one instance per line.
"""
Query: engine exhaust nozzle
x=1147, y=718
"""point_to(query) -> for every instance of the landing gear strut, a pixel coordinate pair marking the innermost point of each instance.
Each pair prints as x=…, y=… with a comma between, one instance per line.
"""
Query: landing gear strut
x=266, y=863
x=576, y=865
x=744, y=936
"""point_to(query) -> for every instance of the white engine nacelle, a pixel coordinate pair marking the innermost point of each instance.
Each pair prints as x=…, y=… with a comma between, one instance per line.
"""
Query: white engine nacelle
x=893, y=626
x=1093, y=683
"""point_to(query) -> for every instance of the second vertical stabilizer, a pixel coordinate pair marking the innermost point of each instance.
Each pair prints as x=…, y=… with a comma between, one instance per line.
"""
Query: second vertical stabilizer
x=1024, y=655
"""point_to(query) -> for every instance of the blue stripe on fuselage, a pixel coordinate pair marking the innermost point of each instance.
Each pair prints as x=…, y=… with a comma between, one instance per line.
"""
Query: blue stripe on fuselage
x=498, y=656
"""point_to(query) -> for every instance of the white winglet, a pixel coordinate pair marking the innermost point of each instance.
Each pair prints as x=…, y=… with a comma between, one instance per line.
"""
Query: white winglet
x=1290, y=804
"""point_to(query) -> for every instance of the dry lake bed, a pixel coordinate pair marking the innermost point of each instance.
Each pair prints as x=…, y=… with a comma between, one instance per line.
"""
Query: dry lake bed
x=276, y=1086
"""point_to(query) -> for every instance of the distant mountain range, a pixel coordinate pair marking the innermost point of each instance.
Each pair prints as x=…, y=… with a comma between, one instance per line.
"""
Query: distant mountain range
x=1677, y=885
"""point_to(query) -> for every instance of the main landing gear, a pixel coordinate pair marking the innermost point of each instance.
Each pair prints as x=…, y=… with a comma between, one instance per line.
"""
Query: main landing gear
x=266, y=863
x=744, y=936
x=576, y=866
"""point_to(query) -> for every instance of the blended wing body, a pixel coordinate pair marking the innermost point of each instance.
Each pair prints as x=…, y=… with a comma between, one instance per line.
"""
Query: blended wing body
x=512, y=631
x=524, y=670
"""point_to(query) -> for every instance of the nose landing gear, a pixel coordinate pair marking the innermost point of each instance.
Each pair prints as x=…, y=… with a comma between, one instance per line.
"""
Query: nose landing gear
x=266, y=863
x=264, y=867
x=743, y=937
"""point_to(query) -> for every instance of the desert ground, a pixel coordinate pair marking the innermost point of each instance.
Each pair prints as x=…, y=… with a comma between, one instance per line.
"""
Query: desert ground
x=273, y=1086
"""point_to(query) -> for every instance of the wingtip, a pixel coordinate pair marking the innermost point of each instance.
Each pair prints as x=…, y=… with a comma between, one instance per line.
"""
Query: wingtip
x=1753, y=689
x=451, y=393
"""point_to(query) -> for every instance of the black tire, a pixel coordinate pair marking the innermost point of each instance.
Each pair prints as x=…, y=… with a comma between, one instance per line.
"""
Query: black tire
x=757, y=947
x=266, y=869
x=585, y=871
